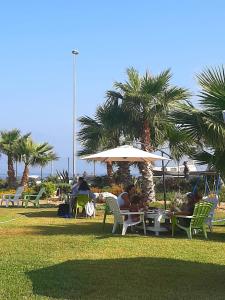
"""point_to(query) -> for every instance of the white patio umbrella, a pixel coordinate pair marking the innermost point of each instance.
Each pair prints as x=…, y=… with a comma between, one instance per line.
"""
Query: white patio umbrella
x=124, y=153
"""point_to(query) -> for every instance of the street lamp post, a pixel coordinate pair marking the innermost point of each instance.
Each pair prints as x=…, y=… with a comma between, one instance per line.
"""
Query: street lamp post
x=74, y=53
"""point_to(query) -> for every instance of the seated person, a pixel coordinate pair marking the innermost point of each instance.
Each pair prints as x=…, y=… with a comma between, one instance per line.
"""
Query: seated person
x=144, y=200
x=76, y=185
x=83, y=189
x=187, y=208
x=123, y=199
x=136, y=204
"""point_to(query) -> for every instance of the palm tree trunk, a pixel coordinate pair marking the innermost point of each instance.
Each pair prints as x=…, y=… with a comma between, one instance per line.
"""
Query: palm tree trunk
x=24, y=180
x=146, y=169
x=109, y=172
x=124, y=173
x=11, y=173
x=147, y=186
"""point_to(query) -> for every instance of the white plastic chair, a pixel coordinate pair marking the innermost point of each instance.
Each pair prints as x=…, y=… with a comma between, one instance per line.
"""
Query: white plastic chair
x=13, y=198
x=215, y=200
x=119, y=216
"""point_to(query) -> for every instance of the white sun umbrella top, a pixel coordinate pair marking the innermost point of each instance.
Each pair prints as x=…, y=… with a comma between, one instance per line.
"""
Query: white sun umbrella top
x=124, y=153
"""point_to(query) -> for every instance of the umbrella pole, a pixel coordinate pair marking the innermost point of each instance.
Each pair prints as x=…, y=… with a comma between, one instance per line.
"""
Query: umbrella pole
x=164, y=183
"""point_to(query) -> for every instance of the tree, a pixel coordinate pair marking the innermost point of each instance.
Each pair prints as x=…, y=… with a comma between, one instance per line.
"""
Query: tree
x=205, y=125
x=8, y=142
x=147, y=101
x=102, y=132
x=32, y=154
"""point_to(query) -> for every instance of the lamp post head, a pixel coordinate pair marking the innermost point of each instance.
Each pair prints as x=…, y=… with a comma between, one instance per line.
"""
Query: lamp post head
x=75, y=52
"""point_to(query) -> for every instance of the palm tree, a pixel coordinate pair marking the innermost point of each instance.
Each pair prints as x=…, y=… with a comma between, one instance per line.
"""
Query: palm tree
x=147, y=101
x=32, y=154
x=102, y=132
x=205, y=125
x=8, y=141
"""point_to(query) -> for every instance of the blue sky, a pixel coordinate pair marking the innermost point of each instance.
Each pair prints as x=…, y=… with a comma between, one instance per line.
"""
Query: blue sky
x=37, y=38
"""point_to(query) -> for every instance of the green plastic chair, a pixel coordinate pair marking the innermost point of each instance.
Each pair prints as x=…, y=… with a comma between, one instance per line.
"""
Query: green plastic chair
x=81, y=201
x=198, y=220
x=34, y=199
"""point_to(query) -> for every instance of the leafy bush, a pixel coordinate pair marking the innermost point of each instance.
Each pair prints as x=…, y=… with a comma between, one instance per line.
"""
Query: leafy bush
x=222, y=194
x=100, y=181
x=114, y=189
x=7, y=191
x=156, y=204
x=29, y=191
x=169, y=196
x=175, y=184
x=52, y=178
x=50, y=189
x=64, y=188
x=3, y=183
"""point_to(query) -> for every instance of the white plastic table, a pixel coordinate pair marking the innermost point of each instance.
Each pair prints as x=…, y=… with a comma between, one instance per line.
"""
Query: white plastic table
x=157, y=216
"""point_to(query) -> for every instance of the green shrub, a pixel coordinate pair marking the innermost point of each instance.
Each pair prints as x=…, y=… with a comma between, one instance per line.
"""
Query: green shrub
x=50, y=189
x=29, y=191
x=169, y=196
x=156, y=205
x=222, y=194
x=51, y=178
x=100, y=181
x=175, y=184
x=3, y=184
x=65, y=188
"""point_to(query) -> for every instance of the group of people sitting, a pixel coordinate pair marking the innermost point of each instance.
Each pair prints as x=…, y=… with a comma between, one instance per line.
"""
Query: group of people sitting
x=133, y=201
x=130, y=200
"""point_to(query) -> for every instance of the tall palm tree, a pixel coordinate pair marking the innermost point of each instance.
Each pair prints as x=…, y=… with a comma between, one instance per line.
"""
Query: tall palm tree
x=102, y=132
x=8, y=141
x=32, y=154
x=147, y=101
x=205, y=125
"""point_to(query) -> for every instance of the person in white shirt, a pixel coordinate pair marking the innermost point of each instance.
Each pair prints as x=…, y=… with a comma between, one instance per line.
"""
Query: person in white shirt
x=123, y=199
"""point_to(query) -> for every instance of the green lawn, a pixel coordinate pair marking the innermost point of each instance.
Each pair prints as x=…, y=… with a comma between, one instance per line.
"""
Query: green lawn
x=46, y=257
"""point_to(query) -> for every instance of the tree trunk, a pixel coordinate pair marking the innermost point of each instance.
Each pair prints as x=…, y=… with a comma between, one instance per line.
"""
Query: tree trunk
x=147, y=186
x=11, y=173
x=109, y=172
x=146, y=169
x=124, y=173
x=24, y=180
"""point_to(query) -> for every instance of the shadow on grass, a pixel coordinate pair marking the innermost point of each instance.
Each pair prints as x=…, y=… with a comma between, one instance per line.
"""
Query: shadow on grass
x=41, y=214
x=45, y=213
x=83, y=227
x=42, y=205
x=133, y=278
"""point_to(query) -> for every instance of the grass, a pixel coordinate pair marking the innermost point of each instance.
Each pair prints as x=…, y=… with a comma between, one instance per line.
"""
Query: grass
x=46, y=257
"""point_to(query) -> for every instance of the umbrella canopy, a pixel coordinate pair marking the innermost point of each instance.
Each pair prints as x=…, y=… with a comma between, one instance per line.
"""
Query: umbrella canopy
x=124, y=153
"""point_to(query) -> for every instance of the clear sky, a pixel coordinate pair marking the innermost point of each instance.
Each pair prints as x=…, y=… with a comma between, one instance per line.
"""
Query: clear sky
x=37, y=38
